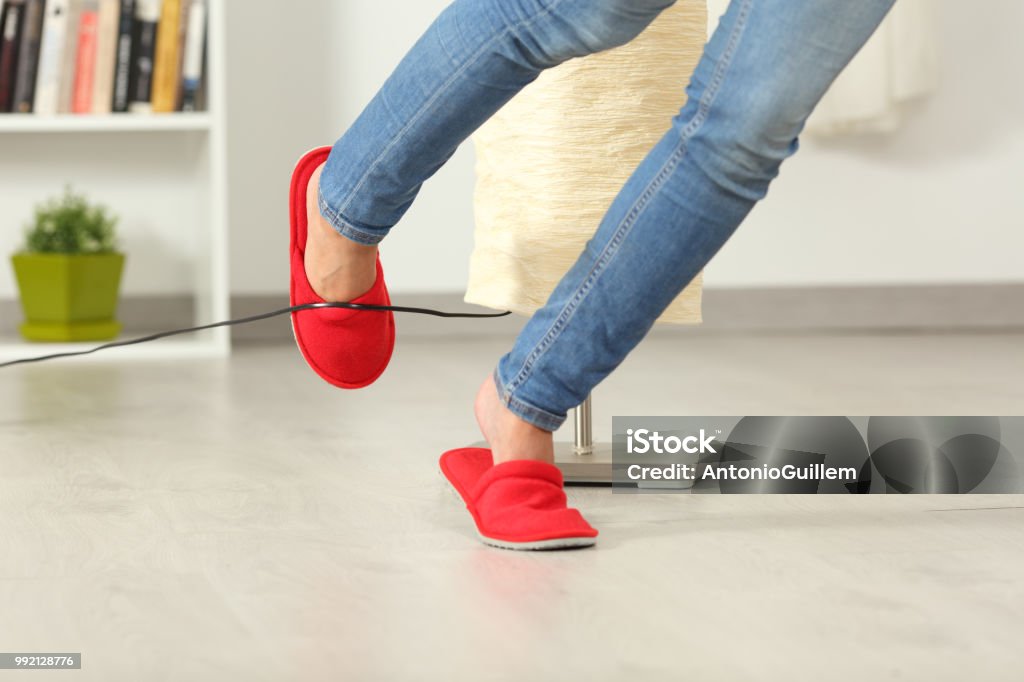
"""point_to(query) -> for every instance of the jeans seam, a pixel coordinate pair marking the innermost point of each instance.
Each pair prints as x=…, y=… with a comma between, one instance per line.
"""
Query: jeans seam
x=711, y=94
x=611, y=249
x=509, y=29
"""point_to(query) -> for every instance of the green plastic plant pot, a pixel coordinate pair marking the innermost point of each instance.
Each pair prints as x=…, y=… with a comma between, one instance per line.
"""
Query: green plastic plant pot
x=69, y=298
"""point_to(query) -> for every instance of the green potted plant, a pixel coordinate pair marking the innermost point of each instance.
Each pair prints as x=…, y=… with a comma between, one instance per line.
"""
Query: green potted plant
x=69, y=272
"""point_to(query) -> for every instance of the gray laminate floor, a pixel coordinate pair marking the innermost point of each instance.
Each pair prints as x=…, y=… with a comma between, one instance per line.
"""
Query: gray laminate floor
x=224, y=520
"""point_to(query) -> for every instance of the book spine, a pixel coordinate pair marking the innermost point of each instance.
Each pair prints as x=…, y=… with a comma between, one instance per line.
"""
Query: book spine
x=106, y=55
x=85, y=61
x=183, y=14
x=51, y=57
x=166, y=62
x=192, y=62
x=28, y=57
x=140, y=89
x=70, y=52
x=123, y=67
x=10, y=38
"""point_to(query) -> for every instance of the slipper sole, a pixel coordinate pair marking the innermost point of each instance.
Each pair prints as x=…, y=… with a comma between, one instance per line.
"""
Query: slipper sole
x=541, y=545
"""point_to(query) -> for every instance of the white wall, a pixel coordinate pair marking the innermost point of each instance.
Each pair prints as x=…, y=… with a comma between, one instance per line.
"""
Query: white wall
x=326, y=61
x=277, y=63
x=938, y=201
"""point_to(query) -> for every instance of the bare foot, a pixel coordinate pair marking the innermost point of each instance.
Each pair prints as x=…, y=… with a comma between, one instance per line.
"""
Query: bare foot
x=510, y=437
x=338, y=268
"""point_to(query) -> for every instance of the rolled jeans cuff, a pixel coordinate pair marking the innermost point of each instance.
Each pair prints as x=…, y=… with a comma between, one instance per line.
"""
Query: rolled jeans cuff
x=351, y=229
x=539, y=417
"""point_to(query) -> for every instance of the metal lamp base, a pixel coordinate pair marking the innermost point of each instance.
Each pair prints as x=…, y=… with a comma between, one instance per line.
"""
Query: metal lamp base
x=580, y=469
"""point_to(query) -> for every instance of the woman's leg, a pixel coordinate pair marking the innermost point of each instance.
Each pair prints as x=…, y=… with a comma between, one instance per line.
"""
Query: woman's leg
x=474, y=58
x=762, y=74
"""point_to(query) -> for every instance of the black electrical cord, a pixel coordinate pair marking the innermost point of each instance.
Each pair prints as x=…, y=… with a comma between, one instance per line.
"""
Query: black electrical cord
x=256, y=318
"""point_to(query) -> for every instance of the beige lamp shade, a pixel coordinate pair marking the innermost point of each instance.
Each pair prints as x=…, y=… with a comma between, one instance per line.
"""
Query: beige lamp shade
x=550, y=162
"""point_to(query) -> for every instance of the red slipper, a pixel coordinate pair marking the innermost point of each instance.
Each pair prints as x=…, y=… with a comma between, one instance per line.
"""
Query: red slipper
x=464, y=467
x=516, y=505
x=347, y=348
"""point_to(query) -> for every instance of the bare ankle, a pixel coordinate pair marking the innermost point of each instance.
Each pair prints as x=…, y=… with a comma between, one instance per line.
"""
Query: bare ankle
x=509, y=436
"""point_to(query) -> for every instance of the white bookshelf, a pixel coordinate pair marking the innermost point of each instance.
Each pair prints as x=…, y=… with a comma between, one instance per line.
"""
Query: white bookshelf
x=194, y=178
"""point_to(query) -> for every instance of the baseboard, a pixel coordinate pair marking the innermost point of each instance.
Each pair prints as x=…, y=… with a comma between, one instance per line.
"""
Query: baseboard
x=925, y=307
x=993, y=307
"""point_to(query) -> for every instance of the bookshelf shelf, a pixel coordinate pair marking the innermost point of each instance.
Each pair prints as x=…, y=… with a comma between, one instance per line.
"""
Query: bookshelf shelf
x=114, y=123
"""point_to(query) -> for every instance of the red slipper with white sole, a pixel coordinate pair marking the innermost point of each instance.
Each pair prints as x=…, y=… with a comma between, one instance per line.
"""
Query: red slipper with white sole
x=516, y=505
x=346, y=348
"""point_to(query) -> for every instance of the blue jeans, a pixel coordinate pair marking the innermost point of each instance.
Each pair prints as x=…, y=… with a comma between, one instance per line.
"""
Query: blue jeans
x=763, y=72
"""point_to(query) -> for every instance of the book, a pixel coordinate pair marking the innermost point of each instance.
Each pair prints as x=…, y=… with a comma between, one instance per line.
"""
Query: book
x=85, y=59
x=192, y=59
x=140, y=87
x=70, y=52
x=183, y=14
x=51, y=57
x=123, y=61
x=106, y=56
x=11, y=20
x=165, y=65
x=28, y=57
